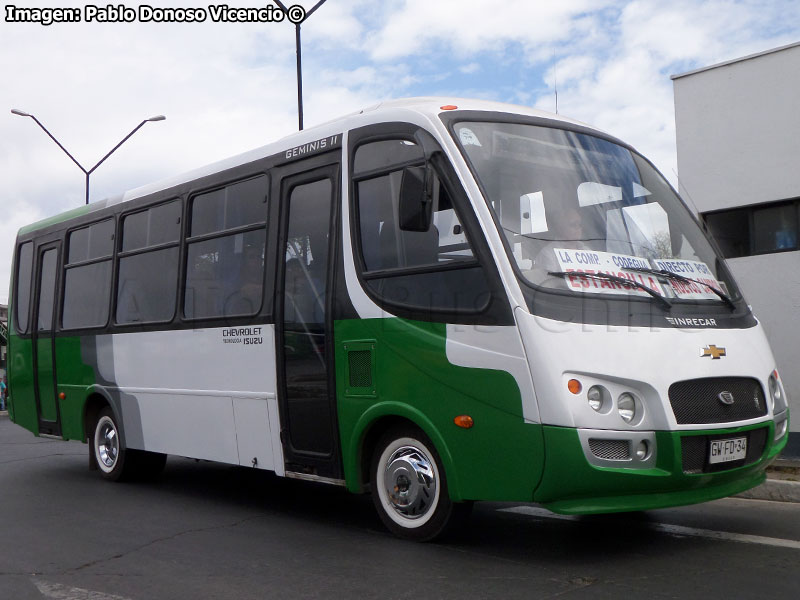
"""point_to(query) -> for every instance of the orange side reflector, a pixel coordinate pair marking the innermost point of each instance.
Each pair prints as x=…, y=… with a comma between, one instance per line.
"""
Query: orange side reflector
x=62, y=395
x=464, y=421
x=574, y=386
x=449, y=107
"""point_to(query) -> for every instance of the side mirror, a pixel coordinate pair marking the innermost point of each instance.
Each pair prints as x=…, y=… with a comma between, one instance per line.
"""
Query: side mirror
x=416, y=199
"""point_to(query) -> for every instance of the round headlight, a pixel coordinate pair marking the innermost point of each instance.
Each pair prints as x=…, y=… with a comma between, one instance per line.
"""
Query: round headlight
x=595, y=397
x=626, y=406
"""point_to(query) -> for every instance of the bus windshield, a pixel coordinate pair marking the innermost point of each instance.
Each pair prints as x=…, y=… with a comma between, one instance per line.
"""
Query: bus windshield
x=571, y=203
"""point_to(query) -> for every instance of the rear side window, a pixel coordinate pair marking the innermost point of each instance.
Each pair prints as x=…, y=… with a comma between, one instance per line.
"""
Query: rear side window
x=22, y=300
x=148, y=265
x=87, y=276
x=225, y=251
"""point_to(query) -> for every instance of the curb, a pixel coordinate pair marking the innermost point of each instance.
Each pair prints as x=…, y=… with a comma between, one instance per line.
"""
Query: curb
x=777, y=490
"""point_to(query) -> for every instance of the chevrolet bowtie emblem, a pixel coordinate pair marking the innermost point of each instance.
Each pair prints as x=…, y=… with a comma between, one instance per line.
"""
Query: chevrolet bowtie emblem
x=712, y=351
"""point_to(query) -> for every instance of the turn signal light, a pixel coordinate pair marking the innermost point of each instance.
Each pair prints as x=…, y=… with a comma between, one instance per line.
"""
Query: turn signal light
x=449, y=107
x=574, y=386
x=464, y=421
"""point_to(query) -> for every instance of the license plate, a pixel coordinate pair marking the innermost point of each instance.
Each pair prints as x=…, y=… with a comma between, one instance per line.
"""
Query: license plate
x=727, y=450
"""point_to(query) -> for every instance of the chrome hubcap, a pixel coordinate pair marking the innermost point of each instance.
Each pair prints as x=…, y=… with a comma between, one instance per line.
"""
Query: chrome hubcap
x=107, y=443
x=410, y=482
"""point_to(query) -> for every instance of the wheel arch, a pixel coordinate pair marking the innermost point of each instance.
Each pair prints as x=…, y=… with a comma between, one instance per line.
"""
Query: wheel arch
x=98, y=398
x=369, y=429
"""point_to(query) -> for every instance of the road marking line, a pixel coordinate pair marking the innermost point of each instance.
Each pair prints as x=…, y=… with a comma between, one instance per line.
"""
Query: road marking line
x=57, y=591
x=677, y=530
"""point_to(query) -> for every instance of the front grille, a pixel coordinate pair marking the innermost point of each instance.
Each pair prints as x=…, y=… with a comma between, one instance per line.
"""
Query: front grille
x=610, y=449
x=695, y=450
x=697, y=401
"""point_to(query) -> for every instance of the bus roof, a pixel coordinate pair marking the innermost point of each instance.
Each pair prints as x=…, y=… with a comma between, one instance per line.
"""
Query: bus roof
x=391, y=110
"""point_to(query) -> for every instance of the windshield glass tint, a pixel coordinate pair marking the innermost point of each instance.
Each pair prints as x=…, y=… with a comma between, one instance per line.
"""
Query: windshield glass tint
x=569, y=203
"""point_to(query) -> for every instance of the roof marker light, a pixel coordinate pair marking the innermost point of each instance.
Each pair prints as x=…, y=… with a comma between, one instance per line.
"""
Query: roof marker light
x=449, y=107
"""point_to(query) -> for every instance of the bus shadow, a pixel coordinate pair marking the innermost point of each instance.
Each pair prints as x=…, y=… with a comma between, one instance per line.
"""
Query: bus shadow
x=490, y=529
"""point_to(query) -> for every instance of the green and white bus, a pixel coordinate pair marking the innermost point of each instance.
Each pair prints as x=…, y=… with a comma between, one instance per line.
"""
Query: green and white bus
x=438, y=302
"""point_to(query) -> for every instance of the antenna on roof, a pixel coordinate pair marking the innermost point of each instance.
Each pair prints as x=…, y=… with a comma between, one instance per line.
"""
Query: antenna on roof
x=297, y=15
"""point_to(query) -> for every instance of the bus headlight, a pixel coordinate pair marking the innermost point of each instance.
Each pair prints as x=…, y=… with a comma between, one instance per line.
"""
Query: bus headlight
x=777, y=398
x=598, y=398
x=626, y=406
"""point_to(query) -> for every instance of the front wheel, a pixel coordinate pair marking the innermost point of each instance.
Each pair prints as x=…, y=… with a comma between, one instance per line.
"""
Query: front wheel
x=409, y=488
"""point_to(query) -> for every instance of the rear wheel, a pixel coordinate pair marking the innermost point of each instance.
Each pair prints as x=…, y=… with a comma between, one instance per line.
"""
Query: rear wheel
x=109, y=451
x=409, y=487
x=116, y=462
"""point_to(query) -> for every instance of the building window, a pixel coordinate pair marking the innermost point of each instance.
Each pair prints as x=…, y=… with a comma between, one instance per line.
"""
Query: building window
x=760, y=229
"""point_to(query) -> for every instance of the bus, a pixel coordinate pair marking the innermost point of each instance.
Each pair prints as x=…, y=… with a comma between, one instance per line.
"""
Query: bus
x=434, y=301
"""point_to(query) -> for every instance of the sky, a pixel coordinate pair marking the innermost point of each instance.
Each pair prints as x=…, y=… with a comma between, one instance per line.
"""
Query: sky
x=228, y=87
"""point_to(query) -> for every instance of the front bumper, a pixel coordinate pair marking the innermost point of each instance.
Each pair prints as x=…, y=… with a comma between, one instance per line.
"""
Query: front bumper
x=677, y=473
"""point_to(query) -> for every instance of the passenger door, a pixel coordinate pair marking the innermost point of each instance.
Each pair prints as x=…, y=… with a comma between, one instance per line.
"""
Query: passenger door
x=44, y=363
x=304, y=337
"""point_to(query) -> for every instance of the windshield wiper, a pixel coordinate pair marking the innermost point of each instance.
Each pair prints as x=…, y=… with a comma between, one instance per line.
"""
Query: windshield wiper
x=670, y=275
x=621, y=280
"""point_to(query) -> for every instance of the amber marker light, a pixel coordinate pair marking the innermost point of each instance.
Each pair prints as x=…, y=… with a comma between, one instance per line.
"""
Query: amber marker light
x=449, y=107
x=464, y=421
x=62, y=396
x=574, y=386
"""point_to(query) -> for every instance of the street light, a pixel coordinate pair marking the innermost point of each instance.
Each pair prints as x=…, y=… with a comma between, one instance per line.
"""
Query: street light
x=80, y=166
x=297, y=24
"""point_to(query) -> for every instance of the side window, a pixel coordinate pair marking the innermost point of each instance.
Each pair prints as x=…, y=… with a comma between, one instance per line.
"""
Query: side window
x=87, y=276
x=22, y=302
x=225, y=251
x=434, y=269
x=148, y=265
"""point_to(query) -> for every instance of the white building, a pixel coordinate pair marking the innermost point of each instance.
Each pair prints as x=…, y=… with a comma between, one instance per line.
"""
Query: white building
x=738, y=136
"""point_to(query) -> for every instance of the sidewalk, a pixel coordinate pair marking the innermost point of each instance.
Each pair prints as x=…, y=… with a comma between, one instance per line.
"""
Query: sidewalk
x=782, y=484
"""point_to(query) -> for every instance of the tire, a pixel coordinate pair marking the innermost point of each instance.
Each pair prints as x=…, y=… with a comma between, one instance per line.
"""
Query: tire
x=113, y=460
x=409, y=487
x=107, y=447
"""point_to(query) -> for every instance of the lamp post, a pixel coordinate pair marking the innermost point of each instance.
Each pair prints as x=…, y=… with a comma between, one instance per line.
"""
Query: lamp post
x=80, y=166
x=297, y=23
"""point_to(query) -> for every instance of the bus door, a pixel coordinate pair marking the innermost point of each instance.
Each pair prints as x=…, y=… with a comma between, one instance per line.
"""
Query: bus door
x=308, y=193
x=44, y=364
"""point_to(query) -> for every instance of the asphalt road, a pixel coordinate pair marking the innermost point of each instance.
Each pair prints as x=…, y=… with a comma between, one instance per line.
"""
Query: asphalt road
x=213, y=531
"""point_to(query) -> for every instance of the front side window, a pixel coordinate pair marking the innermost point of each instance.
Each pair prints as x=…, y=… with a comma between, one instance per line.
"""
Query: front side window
x=430, y=269
x=570, y=203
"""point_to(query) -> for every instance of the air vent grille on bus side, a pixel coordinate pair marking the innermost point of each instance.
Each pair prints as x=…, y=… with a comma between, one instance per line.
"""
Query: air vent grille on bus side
x=360, y=366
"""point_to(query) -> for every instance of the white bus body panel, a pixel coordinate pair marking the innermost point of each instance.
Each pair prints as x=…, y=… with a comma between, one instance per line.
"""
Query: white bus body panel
x=228, y=414
x=645, y=361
